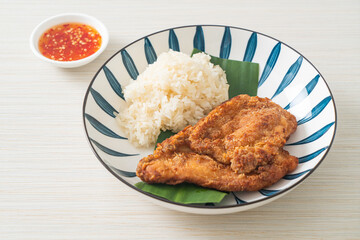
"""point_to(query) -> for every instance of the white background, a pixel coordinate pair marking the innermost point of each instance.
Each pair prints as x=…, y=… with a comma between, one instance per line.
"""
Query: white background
x=53, y=187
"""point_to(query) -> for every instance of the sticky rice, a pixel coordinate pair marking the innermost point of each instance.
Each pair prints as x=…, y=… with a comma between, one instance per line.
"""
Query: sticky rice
x=175, y=91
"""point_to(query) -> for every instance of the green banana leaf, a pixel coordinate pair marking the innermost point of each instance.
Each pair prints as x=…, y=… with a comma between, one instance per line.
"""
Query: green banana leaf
x=242, y=78
x=163, y=135
x=185, y=193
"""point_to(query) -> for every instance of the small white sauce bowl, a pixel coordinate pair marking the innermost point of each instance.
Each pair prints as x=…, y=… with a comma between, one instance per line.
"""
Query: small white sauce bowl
x=69, y=18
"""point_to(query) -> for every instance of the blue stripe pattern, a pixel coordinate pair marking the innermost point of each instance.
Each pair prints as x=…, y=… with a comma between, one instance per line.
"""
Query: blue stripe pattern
x=270, y=63
x=225, y=44
x=312, y=155
x=115, y=85
x=250, y=48
x=102, y=128
x=173, y=41
x=149, y=52
x=296, y=175
x=103, y=133
x=110, y=151
x=268, y=193
x=313, y=136
x=123, y=173
x=238, y=200
x=129, y=64
x=304, y=92
x=103, y=104
x=315, y=111
x=199, y=41
x=289, y=76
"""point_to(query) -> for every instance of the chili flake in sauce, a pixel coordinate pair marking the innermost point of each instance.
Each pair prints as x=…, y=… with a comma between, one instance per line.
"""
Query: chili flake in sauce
x=69, y=42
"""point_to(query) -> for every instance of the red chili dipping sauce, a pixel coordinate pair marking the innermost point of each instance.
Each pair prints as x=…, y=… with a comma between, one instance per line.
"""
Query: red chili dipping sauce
x=69, y=42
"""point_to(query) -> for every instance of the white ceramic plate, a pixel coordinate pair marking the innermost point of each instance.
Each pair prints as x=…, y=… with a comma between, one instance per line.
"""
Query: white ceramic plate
x=286, y=77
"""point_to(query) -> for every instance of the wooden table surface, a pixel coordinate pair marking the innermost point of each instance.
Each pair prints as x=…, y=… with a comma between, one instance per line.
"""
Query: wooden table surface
x=53, y=187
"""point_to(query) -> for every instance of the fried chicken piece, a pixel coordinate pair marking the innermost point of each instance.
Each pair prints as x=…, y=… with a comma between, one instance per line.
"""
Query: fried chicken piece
x=236, y=147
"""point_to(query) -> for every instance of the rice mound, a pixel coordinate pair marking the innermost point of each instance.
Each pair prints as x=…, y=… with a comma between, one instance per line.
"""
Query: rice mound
x=175, y=91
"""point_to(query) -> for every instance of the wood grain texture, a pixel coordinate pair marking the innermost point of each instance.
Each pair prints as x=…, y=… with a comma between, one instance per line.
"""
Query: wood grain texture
x=52, y=186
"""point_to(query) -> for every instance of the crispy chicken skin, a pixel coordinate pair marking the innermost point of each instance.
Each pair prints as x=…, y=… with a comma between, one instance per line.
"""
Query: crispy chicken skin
x=236, y=147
